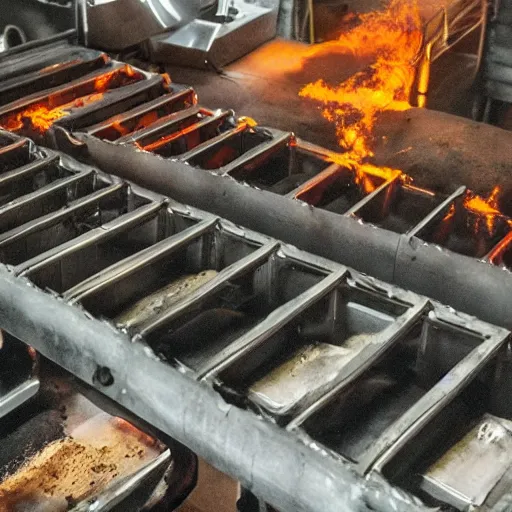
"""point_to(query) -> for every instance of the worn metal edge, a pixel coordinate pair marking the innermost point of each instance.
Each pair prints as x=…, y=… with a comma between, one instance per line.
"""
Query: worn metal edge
x=266, y=459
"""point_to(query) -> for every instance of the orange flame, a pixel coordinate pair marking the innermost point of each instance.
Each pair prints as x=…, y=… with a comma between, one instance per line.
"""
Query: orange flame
x=41, y=116
x=393, y=38
x=487, y=208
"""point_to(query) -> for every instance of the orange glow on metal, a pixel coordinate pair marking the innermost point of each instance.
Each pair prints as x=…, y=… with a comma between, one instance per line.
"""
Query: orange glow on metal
x=145, y=121
x=104, y=81
x=223, y=156
x=421, y=190
x=173, y=136
x=167, y=78
x=127, y=427
x=119, y=128
x=487, y=208
x=59, y=65
x=496, y=255
x=247, y=122
x=41, y=116
x=445, y=227
x=32, y=353
x=392, y=38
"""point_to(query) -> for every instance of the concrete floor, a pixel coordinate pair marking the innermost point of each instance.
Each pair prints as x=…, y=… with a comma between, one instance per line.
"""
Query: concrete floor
x=215, y=492
x=265, y=86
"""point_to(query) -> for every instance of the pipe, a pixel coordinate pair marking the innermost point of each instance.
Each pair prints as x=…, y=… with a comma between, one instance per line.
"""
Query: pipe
x=311, y=11
x=342, y=237
x=467, y=284
x=267, y=460
x=424, y=77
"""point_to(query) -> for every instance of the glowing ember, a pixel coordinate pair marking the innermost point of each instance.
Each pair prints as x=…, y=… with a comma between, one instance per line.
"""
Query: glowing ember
x=393, y=38
x=39, y=116
x=487, y=208
x=105, y=81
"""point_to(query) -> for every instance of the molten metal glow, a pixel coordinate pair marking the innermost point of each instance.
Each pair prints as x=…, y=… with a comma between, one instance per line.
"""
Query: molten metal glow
x=142, y=437
x=486, y=208
x=393, y=39
x=143, y=122
x=41, y=116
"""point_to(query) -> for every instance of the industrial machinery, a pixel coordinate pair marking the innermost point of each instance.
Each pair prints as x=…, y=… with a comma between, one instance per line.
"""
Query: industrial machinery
x=177, y=281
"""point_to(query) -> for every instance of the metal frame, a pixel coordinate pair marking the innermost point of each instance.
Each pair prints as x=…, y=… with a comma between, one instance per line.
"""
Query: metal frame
x=441, y=33
x=403, y=259
x=165, y=118
x=189, y=402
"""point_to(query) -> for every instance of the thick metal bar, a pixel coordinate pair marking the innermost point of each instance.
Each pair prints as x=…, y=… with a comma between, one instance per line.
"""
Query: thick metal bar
x=432, y=403
x=235, y=441
x=11, y=151
x=205, y=292
x=113, y=228
x=95, y=284
x=152, y=133
x=463, y=282
x=69, y=92
x=363, y=361
x=275, y=321
x=468, y=284
x=166, y=103
x=215, y=120
x=69, y=35
x=10, y=213
x=118, y=101
x=46, y=221
x=58, y=55
x=332, y=170
x=216, y=141
x=343, y=239
x=30, y=169
x=40, y=80
x=496, y=253
x=385, y=188
x=18, y=396
x=266, y=149
x=440, y=210
x=161, y=132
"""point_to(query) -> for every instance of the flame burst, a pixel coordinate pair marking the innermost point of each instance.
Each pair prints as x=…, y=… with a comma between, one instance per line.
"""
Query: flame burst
x=41, y=116
x=393, y=39
x=488, y=208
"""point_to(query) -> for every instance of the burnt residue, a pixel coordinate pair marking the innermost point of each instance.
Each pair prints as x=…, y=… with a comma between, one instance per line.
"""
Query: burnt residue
x=31, y=422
